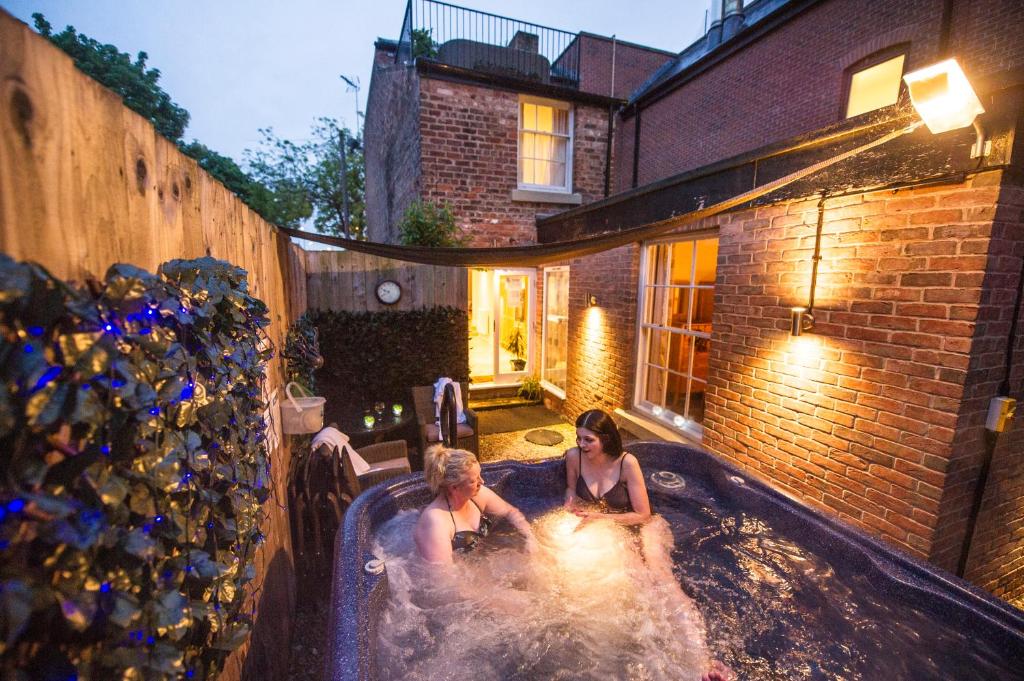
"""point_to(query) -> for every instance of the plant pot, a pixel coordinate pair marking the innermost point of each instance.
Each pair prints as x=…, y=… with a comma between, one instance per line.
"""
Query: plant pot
x=518, y=364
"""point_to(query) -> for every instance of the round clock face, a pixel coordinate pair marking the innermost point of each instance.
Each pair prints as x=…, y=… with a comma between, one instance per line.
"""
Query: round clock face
x=388, y=292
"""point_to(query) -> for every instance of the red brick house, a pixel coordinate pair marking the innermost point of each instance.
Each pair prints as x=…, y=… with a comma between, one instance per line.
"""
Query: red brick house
x=503, y=121
x=910, y=256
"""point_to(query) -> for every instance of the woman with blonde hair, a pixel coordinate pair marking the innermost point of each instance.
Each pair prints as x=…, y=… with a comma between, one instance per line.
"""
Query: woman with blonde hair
x=461, y=512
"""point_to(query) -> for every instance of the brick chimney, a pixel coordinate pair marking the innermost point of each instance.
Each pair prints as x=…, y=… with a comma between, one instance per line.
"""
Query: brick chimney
x=527, y=42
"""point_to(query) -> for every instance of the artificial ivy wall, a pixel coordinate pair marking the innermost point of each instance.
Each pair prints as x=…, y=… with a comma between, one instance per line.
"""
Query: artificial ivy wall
x=134, y=467
x=370, y=356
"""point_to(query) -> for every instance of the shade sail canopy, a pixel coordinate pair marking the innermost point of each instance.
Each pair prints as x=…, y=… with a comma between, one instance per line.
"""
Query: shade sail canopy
x=542, y=254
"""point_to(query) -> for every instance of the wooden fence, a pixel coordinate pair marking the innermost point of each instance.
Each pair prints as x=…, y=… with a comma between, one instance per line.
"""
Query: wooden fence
x=85, y=183
x=346, y=280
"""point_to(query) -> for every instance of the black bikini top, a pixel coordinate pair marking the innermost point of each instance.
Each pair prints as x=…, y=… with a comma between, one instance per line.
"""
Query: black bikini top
x=615, y=500
x=466, y=540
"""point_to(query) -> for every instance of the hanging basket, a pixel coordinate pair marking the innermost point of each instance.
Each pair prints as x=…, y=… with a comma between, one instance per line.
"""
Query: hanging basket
x=302, y=414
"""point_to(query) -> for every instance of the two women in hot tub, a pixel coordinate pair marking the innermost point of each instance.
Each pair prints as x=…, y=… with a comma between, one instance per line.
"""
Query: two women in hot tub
x=603, y=482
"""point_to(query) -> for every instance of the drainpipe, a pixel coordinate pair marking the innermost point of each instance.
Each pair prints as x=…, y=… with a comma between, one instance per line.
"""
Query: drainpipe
x=611, y=131
x=945, y=28
x=636, y=147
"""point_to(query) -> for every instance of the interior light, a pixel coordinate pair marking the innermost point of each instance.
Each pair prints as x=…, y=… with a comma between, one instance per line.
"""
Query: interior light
x=946, y=101
x=801, y=320
x=678, y=421
x=657, y=410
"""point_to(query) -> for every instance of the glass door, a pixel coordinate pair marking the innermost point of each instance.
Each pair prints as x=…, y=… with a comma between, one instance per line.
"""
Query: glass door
x=499, y=325
x=556, y=329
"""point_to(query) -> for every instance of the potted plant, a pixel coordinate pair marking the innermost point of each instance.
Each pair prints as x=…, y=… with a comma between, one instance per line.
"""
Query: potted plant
x=516, y=344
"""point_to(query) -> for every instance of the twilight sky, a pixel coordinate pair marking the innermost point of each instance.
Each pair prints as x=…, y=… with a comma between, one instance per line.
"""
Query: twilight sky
x=238, y=66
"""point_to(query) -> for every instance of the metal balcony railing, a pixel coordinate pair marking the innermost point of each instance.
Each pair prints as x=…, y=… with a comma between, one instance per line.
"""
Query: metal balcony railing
x=488, y=43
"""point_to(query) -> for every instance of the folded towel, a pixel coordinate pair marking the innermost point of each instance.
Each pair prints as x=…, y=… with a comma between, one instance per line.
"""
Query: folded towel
x=439, y=396
x=339, y=443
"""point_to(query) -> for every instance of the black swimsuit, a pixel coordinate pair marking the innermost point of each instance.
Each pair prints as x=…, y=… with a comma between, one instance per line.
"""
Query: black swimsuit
x=466, y=540
x=615, y=500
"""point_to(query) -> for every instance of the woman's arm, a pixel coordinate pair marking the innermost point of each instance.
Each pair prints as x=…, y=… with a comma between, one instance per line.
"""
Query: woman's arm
x=637, y=497
x=572, y=471
x=490, y=502
x=433, y=538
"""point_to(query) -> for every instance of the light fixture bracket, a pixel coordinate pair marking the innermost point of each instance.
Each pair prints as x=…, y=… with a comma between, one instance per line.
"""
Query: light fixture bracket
x=800, y=321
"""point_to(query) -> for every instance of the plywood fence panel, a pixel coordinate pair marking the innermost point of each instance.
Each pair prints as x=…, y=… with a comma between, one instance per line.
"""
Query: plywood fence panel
x=86, y=183
x=346, y=280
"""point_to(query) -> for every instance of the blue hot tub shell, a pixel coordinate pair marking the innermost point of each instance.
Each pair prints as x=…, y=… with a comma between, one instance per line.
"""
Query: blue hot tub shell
x=359, y=598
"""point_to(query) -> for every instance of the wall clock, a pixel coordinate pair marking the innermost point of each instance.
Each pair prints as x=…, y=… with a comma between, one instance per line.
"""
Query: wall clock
x=388, y=292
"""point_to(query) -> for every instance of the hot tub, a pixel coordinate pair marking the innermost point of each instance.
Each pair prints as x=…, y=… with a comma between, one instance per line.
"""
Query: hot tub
x=786, y=593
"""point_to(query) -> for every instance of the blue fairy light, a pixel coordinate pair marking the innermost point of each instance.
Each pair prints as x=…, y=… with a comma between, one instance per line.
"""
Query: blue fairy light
x=85, y=386
x=117, y=383
x=147, y=528
x=209, y=525
x=50, y=374
x=145, y=330
x=155, y=411
x=105, y=449
x=29, y=349
x=150, y=640
x=108, y=327
x=190, y=673
x=186, y=392
x=35, y=330
x=3, y=513
x=16, y=505
x=105, y=587
x=158, y=519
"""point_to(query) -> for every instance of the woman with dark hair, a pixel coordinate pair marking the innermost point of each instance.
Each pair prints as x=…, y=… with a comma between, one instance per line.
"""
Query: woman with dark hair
x=601, y=480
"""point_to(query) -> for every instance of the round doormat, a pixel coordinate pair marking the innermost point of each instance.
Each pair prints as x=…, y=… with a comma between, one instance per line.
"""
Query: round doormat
x=542, y=436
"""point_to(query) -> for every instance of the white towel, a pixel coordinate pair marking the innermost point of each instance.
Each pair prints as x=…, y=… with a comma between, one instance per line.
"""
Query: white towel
x=439, y=397
x=339, y=442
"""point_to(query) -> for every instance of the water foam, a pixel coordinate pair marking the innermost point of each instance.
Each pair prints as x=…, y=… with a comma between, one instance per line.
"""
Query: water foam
x=597, y=601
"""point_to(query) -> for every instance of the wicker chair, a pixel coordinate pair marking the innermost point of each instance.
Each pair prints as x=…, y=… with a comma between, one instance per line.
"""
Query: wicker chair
x=430, y=434
x=387, y=460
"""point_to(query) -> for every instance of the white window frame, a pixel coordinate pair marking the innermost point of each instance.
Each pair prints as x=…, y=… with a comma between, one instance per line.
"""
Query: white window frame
x=640, y=403
x=548, y=385
x=565, y=106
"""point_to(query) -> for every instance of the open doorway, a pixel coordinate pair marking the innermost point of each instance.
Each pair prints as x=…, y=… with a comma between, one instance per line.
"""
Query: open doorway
x=500, y=314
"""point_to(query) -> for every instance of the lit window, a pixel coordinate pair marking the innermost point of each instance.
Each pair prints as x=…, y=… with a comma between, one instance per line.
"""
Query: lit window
x=556, y=327
x=875, y=86
x=678, y=290
x=545, y=145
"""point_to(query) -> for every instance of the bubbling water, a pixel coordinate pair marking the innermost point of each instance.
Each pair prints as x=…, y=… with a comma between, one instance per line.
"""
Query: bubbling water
x=595, y=602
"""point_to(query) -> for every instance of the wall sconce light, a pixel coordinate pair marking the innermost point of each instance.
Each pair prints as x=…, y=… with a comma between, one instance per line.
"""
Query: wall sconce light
x=946, y=101
x=801, y=320
x=591, y=300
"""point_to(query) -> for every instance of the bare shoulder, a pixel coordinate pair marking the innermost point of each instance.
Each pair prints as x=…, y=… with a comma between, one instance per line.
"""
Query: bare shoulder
x=631, y=464
x=431, y=520
x=572, y=454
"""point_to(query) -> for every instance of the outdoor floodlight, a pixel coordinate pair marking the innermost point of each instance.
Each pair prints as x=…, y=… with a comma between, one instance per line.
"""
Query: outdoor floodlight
x=801, y=320
x=946, y=101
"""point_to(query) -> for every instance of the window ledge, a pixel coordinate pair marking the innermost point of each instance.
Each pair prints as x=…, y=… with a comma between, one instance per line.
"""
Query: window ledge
x=644, y=426
x=541, y=196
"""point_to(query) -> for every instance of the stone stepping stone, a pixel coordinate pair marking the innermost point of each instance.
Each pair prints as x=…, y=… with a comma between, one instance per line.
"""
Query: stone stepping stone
x=542, y=436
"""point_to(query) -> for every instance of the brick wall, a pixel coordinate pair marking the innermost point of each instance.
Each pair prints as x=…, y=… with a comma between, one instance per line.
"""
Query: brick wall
x=392, y=146
x=602, y=339
x=996, y=561
x=469, y=137
x=986, y=35
x=633, y=65
x=863, y=419
x=797, y=72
